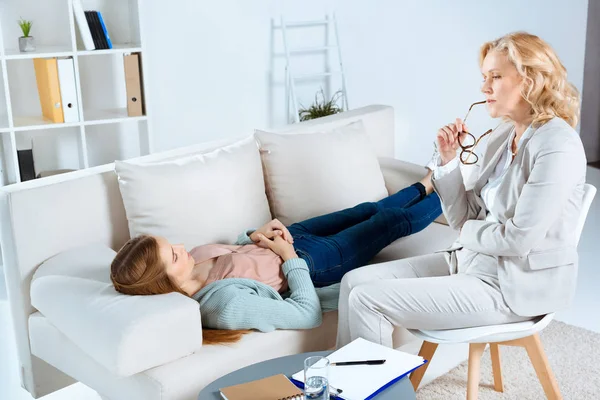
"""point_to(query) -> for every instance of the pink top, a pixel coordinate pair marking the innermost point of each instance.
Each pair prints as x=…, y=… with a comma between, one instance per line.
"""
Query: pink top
x=246, y=261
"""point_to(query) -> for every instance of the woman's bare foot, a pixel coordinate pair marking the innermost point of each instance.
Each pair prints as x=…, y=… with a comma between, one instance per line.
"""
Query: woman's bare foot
x=426, y=181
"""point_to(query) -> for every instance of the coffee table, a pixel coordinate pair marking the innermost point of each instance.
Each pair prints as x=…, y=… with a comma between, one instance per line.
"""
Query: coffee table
x=288, y=366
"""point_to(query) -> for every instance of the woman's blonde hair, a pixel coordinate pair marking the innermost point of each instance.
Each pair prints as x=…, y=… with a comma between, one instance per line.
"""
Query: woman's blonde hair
x=138, y=270
x=545, y=85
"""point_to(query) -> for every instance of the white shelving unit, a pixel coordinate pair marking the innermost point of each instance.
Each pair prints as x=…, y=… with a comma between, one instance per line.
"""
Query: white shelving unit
x=104, y=132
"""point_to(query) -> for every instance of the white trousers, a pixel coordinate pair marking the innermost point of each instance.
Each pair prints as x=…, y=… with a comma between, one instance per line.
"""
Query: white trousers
x=415, y=293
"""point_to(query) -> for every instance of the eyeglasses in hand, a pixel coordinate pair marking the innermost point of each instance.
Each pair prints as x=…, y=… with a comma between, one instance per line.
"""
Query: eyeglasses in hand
x=467, y=141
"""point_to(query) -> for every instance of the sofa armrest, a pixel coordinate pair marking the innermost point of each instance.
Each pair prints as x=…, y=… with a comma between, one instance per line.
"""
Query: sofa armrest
x=125, y=334
x=399, y=174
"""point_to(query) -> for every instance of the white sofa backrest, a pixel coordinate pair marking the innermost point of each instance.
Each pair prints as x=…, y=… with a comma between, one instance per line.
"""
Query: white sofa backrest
x=41, y=218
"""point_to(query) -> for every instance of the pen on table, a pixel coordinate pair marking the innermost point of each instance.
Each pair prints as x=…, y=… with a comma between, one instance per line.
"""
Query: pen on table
x=338, y=391
x=364, y=362
x=335, y=393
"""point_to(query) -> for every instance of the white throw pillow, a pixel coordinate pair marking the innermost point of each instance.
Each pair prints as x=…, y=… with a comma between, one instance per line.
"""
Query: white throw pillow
x=310, y=174
x=199, y=199
x=125, y=334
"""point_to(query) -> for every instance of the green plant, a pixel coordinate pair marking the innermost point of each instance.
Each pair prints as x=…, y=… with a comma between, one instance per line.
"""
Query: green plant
x=321, y=108
x=25, y=26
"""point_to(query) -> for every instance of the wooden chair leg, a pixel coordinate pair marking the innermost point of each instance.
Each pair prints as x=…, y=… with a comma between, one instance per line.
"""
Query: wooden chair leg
x=427, y=351
x=496, y=367
x=475, y=353
x=538, y=358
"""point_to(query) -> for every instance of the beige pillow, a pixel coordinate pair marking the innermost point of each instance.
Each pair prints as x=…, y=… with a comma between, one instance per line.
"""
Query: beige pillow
x=310, y=174
x=198, y=199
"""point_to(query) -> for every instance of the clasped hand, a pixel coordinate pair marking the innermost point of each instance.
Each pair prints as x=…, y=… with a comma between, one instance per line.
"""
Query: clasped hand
x=275, y=236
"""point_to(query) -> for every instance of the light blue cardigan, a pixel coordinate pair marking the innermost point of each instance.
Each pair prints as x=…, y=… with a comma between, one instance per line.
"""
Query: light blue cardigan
x=239, y=303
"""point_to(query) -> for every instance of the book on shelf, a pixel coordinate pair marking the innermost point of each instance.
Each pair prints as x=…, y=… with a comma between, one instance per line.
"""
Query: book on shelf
x=104, y=30
x=97, y=29
x=26, y=164
x=94, y=30
x=84, y=28
x=98, y=26
x=276, y=387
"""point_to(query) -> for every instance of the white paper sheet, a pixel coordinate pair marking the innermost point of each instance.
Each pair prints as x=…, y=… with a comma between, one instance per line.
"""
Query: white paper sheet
x=358, y=382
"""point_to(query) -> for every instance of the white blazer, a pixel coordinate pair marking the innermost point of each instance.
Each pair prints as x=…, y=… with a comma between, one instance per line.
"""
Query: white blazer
x=538, y=205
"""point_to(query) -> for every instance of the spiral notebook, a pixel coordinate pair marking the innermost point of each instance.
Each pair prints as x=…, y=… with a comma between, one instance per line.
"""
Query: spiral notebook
x=276, y=387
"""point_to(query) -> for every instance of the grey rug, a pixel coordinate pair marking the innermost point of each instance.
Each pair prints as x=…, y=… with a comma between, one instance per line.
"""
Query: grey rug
x=573, y=353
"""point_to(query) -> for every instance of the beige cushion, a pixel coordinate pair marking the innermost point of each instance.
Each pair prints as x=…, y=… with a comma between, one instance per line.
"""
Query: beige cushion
x=309, y=174
x=198, y=199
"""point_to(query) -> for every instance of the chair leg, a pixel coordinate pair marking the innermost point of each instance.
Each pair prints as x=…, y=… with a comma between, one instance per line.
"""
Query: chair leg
x=475, y=353
x=496, y=368
x=538, y=358
x=427, y=351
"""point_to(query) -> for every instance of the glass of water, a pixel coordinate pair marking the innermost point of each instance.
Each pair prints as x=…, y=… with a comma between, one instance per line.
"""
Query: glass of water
x=316, y=378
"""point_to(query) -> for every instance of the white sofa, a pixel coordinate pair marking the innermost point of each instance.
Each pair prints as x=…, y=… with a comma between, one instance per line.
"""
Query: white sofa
x=69, y=223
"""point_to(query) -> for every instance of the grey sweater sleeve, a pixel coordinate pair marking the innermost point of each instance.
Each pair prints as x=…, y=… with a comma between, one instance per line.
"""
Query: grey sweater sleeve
x=244, y=237
x=244, y=309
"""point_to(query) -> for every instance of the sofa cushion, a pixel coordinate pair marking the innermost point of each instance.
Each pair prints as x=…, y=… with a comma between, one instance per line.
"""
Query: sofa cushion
x=183, y=378
x=198, y=199
x=309, y=174
x=125, y=334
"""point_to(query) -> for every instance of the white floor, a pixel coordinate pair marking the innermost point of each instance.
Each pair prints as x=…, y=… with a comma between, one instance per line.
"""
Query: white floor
x=583, y=313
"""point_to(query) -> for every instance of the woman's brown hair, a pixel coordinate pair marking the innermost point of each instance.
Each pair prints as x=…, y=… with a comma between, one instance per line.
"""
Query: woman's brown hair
x=138, y=270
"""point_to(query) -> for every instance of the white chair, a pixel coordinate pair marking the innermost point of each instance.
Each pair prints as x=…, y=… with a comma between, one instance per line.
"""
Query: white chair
x=522, y=334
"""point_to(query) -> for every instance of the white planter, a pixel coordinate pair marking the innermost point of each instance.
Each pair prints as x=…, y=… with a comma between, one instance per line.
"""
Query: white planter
x=26, y=43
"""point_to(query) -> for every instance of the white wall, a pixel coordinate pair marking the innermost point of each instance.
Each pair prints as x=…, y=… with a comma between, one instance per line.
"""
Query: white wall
x=209, y=62
x=590, y=117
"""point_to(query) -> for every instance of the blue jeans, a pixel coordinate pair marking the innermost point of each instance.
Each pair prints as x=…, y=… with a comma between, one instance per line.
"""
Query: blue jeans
x=336, y=243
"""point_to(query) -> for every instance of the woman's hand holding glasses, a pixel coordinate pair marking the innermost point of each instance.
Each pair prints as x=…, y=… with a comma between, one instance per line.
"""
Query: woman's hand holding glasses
x=448, y=140
x=455, y=135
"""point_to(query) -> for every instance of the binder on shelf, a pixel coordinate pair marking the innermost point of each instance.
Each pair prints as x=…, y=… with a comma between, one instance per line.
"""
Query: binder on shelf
x=104, y=30
x=84, y=28
x=141, y=71
x=46, y=74
x=68, y=92
x=133, y=85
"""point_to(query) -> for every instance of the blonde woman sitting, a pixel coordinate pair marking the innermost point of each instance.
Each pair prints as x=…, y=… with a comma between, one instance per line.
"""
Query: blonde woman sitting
x=516, y=254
